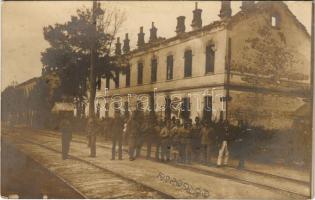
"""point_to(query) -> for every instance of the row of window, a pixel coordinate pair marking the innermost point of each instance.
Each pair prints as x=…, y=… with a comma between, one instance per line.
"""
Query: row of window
x=209, y=67
x=185, y=107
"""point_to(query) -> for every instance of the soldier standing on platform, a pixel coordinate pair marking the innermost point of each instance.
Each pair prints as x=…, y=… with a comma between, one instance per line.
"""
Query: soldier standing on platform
x=207, y=132
x=65, y=137
x=165, y=141
x=91, y=134
x=157, y=129
x=88, y=127
x=151, y=136
x=195, y=141
x=132, y=129
x=117, y=134
x=225, y=139
x=243, y=141
x=185, y=142
x=141, y=133
x=175, y=139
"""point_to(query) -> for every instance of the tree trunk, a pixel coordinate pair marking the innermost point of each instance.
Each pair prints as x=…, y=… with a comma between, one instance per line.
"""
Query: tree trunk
x=92, y=67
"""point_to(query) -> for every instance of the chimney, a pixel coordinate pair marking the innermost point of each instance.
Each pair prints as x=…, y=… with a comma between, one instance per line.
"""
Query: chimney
x=118, y=47
x=180, y=28
x=153, y=33
x=197, y=21
x=126, y=47
x=141, y=38
x=246, y=5
x=226, y=10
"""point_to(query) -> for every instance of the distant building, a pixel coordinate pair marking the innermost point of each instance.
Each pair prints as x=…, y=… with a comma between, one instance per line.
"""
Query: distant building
x=253, y=66
x=27, y=86
x=63, y=107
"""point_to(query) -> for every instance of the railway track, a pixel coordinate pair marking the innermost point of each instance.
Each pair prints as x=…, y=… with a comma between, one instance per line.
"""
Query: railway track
x=83, y=141
x=294, y=194
x=87, y=179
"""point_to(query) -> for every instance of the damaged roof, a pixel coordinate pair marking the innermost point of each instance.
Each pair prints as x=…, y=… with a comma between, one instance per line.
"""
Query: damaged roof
x=216, y=24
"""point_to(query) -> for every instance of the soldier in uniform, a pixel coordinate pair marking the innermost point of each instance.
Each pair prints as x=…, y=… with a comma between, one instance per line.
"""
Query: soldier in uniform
x=106, y=128
x=91, y=134
x=65, y=137
x=117, y=134
x=157, y=140
x=207, y=133
x=225, y=139
x=158, y=143
x=132, y=129
x=185, y=142
x=175, y=138
x=195, y=141
x=88, y=127
x=151, y=136
x=165, y=141
x=141, y=133
x=243, y=143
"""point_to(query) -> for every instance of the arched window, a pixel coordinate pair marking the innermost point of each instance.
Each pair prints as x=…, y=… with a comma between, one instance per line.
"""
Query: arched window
x=210, y=57
x=153, y=70
x=188, y=63
x=169, y=67
x=128, y=76
x=140, y=73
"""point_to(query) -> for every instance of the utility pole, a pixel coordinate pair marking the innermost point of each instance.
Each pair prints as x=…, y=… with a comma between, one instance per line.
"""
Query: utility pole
x=93, y=63
x=312, y=96
x=92, y=84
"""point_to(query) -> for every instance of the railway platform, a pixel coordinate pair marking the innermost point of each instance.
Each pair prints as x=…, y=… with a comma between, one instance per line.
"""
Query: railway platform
x=101, y=177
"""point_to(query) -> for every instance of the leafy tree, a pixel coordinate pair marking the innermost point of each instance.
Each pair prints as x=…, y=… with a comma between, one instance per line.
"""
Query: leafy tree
x=69, y=53
x=8, y=106
x=40, y=102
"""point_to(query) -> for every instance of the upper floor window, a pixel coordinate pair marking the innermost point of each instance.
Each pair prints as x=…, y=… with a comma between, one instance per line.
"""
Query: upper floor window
x=210, y=56
x=128, y=76
x=140, y=73
x=275, y=20
x=153, y=70
x=117, y=80
x=188, y=63
x=169, y=67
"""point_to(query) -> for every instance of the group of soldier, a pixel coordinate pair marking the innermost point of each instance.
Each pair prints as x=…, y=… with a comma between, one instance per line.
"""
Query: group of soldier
x=181, y=142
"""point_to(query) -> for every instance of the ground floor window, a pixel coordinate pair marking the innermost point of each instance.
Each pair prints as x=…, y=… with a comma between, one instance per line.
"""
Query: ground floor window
x=168, y=110
x=98, y=108
x=185, y=108
x=207, y=110
x=106, y=110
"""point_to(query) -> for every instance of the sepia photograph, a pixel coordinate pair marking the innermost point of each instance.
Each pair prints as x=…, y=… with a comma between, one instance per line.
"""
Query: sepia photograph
x=157, y=99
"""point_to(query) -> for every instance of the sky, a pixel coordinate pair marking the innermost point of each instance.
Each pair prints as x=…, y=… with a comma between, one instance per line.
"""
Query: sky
x=23, y=22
